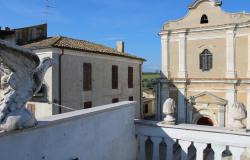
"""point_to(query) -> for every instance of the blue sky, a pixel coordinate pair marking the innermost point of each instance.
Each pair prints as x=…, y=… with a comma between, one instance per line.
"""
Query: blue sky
x=137, y=22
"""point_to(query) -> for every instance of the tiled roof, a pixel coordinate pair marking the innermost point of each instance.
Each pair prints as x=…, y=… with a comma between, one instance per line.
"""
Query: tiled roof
x=81, y=45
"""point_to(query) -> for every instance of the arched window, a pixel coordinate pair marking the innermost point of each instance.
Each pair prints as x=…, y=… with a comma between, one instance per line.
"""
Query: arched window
x=206, y=60
x=204, y=19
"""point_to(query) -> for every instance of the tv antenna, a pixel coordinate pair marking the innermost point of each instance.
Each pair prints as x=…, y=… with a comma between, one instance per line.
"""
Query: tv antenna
x=47, y=9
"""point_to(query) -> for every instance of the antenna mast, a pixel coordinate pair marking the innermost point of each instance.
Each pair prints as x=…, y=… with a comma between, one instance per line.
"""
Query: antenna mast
x=47, y=8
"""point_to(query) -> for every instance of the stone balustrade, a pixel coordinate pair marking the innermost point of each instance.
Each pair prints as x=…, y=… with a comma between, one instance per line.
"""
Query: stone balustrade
x=158, y=141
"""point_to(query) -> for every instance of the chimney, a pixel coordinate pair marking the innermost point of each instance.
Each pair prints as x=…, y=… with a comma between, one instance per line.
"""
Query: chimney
x=120, y=46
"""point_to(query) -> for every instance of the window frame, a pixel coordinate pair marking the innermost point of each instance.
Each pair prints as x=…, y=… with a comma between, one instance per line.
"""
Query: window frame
x=204, y=19
x=87, y=76
x=114, y=76
x=206, y=60
x=130, y=77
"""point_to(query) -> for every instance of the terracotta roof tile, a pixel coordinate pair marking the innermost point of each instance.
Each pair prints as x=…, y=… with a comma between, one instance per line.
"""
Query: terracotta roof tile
x=81, y=45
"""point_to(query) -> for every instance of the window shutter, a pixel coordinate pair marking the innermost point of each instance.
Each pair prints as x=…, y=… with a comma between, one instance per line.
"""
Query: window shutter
x=114, y=77
x=201, y=62
x=87, y=76
x=130, y=77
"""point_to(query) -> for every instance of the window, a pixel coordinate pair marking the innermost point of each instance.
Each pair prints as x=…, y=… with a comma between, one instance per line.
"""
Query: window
x=87, y=76
x=206, y=60
x=204, y=19
x=114, y=77
x=130, y=77
x=31, y=108
x=115, y=100
x=131, y=98
x=87, y=105
x=145, y=108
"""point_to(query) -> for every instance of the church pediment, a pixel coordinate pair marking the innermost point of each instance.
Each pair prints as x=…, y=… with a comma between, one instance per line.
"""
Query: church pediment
x=210, y=9
x=208, y=98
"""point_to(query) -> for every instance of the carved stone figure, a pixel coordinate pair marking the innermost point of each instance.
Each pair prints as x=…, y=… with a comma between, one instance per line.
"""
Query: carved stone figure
x=238, y=112
x=24, y=81
x=169, y=109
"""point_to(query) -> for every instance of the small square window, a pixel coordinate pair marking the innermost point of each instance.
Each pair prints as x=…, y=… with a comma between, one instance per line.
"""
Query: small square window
x=115, y=100
x=87, y=105
x=131, y=98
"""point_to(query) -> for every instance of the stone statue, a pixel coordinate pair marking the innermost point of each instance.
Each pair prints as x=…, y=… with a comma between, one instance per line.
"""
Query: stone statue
x=238, y=112
x=169, y=109
x=24, y=80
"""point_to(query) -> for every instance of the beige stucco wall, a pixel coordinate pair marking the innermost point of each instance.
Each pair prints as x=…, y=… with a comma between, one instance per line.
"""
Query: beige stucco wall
x=241, y=56
x=196, y=47
x=214, y=13
x=174, y=59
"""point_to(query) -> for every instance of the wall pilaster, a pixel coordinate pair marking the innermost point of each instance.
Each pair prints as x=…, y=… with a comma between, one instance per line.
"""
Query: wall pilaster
x=165, y=55
x=182, y=55
x=230, y=52
x=182, y=109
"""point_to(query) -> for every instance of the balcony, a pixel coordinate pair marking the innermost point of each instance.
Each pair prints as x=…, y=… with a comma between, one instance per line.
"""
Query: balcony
x=158, y=141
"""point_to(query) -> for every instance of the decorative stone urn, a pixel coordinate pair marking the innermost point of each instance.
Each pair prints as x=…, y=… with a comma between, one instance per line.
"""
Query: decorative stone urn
x=169, y=109
x=238, y=112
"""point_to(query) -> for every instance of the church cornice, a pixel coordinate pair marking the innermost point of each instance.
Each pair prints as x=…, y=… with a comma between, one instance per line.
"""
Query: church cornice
x=197, y=2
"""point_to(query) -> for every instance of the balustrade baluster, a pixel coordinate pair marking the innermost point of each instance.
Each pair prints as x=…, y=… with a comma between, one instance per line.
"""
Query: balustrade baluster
x=199, y=150
x=184, y=146
x=236, y=151
x=156, y=150
x=218, y=149
x=169, y=143
x=142, y=141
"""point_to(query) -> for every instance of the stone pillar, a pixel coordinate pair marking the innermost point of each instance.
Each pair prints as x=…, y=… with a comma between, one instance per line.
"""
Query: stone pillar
x=182, y=56
x=248, y=59
x=218, y=149
x=236, y=151
x=164, y=95
x=230, y=97
x=170, y=147
x=181, y=110
x=248, y=108
x=221, y=116
x=165, y=55
x=156, y=147
x=230, y=49
x=184, y=149
x=142, y=141
x=199, y=149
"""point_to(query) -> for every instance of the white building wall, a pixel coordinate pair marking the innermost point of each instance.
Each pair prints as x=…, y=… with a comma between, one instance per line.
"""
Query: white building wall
x=73, y=95
x=101, y=133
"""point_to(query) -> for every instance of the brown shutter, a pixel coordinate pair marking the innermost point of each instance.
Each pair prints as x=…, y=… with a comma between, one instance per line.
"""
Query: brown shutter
x=115, y=100
x=130, y=77
x=87, y=105
x=114, y=77
x=87, y=76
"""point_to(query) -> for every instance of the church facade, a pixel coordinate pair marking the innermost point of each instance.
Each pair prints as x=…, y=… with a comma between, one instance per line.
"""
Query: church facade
x=206, y=64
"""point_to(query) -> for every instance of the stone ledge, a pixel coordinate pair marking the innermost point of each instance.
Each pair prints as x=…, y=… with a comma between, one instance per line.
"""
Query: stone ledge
x=69, y=116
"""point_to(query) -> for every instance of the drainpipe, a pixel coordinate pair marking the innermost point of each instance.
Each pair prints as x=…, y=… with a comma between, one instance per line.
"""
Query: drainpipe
x=60, y=81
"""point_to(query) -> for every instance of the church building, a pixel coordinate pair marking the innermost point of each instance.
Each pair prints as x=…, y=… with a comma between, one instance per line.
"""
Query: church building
x=206, y=64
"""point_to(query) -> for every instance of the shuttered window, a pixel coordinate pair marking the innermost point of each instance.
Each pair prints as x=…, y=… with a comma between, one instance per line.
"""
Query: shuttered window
x=31, y=108
x=87, y=105
x=131, y=98
x=114, y=77
x=115, y=100
x=87, y=76
x=130, y=77
x=206, y=60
